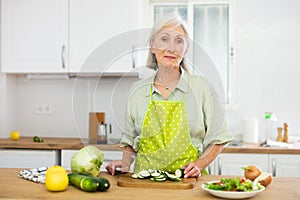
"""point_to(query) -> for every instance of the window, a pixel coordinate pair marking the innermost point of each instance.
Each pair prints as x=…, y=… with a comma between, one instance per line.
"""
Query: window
x=210, y=32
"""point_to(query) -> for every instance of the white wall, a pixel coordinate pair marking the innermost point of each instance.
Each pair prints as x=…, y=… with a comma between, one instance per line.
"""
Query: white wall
x=71, y=101
x=267, y=61
x=267, y=77
x=8, y=104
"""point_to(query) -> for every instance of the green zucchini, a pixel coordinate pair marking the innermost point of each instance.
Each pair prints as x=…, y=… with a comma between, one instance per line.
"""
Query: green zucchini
x=104, y=184
x=84, y=182
x=89, y=183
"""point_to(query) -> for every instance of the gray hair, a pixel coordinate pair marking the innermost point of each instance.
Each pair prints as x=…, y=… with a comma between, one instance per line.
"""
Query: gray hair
x=175, y=20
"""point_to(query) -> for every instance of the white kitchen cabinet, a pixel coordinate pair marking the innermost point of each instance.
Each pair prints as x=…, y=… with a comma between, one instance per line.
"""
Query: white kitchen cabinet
x=21, y=158
x=232, y=163
x=62, y=36
x=34, y=36
x=99, y=38
x=284, y=165
x=66, y=156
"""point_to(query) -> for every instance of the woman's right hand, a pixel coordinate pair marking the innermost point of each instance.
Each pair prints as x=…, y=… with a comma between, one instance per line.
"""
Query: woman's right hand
x=122, y=167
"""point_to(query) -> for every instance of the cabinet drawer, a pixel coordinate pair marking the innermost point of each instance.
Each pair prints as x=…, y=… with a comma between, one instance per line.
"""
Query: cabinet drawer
x=284, y=165
x=17, y=158
x=231, y=163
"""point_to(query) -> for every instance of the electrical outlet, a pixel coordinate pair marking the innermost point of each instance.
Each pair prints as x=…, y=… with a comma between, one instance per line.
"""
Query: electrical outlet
x=43, y=109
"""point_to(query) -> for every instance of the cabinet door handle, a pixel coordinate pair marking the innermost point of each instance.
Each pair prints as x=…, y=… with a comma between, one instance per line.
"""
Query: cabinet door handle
x=63, y=56
x=273, y=167
x=133, y=57
x=219, y=166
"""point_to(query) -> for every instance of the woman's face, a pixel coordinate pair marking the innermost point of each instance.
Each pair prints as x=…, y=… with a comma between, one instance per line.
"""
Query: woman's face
x=169, y=46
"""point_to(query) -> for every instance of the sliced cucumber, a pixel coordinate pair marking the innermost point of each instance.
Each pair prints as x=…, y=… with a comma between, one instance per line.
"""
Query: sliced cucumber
x=144, y=174
x=140, y=176
x=173, y=177
x=179, y=173
x=134, y=176
x=155, y=174
x=159, y=175
x=160, y=179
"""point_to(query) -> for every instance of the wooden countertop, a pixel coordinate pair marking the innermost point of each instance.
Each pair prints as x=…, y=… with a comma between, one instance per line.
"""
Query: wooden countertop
x=76, y=143
x=52, y=144
x=13, y=187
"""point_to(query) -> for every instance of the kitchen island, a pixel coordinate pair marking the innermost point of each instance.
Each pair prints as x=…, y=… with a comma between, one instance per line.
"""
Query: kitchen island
x=13, y=187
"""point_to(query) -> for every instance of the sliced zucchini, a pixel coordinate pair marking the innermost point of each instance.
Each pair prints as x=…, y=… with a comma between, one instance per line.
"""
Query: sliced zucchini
x=159, y=175
x=140, y=176
x=160, y=179
x=179, y=173
x=155, y=174
x=173, y=177
x=144, y=174
x=134, y=176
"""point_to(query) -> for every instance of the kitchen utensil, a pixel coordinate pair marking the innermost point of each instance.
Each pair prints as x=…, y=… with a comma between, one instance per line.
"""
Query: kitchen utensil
x=94, y=119
x=103, y=130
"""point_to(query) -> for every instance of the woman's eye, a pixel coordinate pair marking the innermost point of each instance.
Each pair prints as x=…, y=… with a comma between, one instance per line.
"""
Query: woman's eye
x=164, y=39
x=179, y=41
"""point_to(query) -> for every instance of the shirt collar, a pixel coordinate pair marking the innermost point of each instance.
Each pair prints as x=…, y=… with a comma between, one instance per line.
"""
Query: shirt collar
x=182, y=83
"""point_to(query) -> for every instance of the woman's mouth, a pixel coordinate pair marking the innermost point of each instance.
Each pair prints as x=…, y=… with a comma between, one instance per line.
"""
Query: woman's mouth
x=170, y=57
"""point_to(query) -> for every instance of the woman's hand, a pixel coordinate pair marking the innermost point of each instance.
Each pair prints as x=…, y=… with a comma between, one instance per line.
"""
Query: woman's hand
x=122, y=167
x=191, y=170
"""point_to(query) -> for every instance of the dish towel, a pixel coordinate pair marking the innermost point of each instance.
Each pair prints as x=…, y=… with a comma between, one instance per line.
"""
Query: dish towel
x=275, y=144
x=36, y=174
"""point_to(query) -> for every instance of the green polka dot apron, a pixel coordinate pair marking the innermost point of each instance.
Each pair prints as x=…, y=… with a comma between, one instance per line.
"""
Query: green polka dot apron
x=165, y=141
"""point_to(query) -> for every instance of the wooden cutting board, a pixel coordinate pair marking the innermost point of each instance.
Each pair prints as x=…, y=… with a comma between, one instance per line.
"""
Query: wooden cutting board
x=125, y=180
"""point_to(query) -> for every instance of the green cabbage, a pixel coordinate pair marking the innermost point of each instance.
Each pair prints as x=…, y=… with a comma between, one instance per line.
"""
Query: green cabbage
x=87, y=160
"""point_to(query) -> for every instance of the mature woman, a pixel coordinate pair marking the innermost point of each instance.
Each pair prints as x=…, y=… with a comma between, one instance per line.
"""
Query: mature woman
x=174, y=118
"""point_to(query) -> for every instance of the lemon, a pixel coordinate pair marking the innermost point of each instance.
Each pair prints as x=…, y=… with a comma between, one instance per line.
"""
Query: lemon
x=15, y=135
x=56, y=179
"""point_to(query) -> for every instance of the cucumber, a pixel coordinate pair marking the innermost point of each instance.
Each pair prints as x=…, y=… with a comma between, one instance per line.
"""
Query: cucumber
x=160, y=179
x=173, y=177
x=144, y=174
x=159, y=175
x=84, y=182
x=155, y=174
x=134, y=176
x=179, y=173
x=104, y=184
x=89, y=183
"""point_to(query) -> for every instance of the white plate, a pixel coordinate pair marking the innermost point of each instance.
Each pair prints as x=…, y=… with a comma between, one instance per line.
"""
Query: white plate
x=231, y=195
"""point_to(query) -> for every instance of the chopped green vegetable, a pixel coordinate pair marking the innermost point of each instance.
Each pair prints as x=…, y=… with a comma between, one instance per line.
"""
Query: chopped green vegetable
x=37, y=139
x=156, y=175
x=233, y=184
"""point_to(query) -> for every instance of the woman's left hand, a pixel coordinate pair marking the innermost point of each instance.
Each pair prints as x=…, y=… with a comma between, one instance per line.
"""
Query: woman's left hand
x=192, y=170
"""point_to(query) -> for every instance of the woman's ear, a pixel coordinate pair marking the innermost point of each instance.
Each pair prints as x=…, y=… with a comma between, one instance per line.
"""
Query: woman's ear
x=152, y=49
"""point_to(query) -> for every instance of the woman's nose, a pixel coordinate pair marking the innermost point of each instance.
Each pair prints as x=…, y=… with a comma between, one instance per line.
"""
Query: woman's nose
x=171, y=47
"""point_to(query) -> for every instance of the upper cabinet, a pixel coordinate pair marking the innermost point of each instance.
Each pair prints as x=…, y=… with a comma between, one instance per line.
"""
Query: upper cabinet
x=76, y=36
x=34, y=36
x=98, y=40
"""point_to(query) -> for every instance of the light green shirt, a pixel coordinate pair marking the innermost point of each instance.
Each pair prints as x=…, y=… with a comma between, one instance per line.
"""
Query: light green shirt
x=206, y=114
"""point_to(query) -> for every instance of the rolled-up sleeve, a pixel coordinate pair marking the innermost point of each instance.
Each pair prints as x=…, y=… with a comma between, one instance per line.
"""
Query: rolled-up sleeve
x=215, y=123
x=129, y=132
